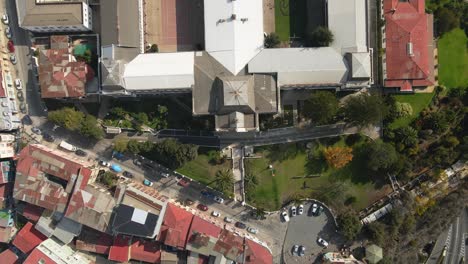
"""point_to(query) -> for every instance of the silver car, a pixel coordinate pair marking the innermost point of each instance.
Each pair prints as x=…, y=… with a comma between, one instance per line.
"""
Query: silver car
x=252, y=230
x=13, y=59
x=8, y=32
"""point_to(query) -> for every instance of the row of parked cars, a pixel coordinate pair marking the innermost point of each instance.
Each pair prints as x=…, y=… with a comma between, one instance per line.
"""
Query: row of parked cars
x=316, y=210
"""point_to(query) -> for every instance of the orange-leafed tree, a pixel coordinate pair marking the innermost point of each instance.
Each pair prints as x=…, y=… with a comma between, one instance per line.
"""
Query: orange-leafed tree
x=338, y=157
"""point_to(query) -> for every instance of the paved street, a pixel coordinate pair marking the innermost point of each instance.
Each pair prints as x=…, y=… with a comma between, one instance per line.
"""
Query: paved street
x=454, y=239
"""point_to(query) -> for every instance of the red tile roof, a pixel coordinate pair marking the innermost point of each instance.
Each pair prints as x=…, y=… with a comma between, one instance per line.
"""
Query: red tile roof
x=407, y=28
x=93, y=241
x=37, y=256
x=32, y=212
x=204, y=227
x=175, y=226
x=28, y=238
x=60, y=76
x=120, y=250
x=256, y=253
x=229, y=244
x=144, y=250
x=34, y=163
x=9, y=257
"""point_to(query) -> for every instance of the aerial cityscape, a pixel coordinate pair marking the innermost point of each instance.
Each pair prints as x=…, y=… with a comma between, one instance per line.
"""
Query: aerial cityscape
x=234, y=131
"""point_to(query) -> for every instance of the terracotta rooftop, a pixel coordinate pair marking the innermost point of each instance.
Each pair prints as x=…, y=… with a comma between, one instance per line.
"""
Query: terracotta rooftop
x=60, y=75
x=204, y=227
x=230, y=245
x=9, y=257
x=91, y=207
x=28, y=238
x=175, y=227
x=409, y=44
x=31, y=211
x=38, y=256
x=120, y=250
x=256, y=253
x=93, y=241
x=145, y=250
x=45, y=177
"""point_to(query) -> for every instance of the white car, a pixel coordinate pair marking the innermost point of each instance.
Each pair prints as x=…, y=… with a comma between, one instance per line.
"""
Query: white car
x=18, y=84
x=218, y=199
x=8, y=32
x=300, y=209
x=215, y=214
x=5, y=19
x=228, y=219
x=285, y=216
x=293, y=211
x=295, y=250
x=252, y=230
x=104, y=163
x=13, y=59
x=165, y=175
x=322, y=242
x=314, y=209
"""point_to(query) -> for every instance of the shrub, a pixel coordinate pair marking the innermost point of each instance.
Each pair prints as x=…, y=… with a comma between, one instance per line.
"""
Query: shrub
x=338, y=157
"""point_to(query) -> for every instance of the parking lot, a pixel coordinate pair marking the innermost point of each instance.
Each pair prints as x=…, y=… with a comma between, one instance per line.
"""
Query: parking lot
x=304, y=230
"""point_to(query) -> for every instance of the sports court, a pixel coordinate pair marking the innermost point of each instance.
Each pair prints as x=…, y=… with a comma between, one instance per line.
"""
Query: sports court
x=174, y=25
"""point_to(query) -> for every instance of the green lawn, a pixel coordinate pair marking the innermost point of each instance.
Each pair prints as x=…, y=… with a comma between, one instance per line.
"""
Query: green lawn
x=453, y=59
x=202, y=170
x=418, y=101
x=290, y=18
x=288, y=179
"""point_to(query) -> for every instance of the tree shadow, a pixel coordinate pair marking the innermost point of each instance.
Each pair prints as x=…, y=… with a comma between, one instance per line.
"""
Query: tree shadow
x=281, y=152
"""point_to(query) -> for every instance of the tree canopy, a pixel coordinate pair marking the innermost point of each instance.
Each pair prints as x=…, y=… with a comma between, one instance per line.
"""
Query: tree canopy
x=73, y=120
x=365, y=109
x=338, y=157
x=225, y=181
x=319, y=37
x=321, y=107
x=349, y=224
x=271, y=41
x=381, y=155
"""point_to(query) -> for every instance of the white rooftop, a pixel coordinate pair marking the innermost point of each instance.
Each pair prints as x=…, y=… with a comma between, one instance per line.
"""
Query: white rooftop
x=160, y=71
x=139, y=216
x=361, y=65
x=233, y=31
x=296, y=66
x=347, y=22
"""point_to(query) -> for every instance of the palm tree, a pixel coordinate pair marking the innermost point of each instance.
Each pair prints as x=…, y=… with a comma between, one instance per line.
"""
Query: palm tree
x=225, y=180
x=271, y=41
x=250, y=181
x=408, y=136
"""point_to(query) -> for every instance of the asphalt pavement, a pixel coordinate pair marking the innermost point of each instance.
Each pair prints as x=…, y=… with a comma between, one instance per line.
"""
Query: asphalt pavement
x=454, y=240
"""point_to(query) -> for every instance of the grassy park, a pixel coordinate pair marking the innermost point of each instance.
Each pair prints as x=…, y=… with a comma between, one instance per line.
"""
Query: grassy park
x=418, y=101
x=295, y=174
x=453, y=59
x=290, y=18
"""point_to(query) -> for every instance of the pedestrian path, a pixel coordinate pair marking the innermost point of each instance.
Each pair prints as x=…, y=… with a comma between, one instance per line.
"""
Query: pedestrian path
x=238, y=172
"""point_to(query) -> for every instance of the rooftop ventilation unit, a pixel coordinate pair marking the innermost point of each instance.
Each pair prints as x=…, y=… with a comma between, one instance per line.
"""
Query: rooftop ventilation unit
x=233, y=17
x=409, y=49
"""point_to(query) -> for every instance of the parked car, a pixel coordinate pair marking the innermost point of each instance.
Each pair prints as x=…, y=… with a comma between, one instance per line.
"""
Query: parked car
x=47, y=137
x=295, y=250
x=27, y=120
x=240, y=225
x=22, y=107
x=104, y=163
x=165, y=175
x=137, y=162
x=19, y=95
x=147, y=182
x=293, y=211
x=127, y=174
x=322, y=242
x=81, y=153
x=65, y=145
x=5, y=19
x=320, y=210
x=189, y=202
x=183, y=182
x=207, y=194
x=202, y=207
x=36, y=130
x=314, y=209
x=300, y=209
x=302, y=251
x=13, y=59
x=11, y=46
x=228, y=219
x=8, y=32
x=252, y=230
x=218, y=199
x=215, y=214
x=285, y=216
